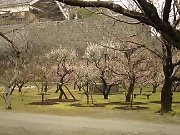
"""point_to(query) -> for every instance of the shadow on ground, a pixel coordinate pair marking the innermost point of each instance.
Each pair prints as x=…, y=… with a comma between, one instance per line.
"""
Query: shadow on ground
x=122, y=105
x=88, y=105
x=126, y=103
x=132, y=108
x=159, y=102
x=52, y=101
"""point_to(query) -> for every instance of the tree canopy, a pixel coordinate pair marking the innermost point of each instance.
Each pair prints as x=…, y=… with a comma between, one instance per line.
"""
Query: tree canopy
x=146, y=13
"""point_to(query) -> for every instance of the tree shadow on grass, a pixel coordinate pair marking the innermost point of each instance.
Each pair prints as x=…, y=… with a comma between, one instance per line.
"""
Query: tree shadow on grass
x=132, y=108
x=125, y=103
x=104, y=104
x=88, y=105
x=176, y=102
x=52, y=101
x=61, y=100
x=159, y=102
x=42, y=103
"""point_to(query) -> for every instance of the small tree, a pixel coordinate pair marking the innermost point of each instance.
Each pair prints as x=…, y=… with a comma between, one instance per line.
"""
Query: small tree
x=63, y=61
x=16, y=54
x=86, y=76
x=42, y=78
x=133, y=67
x=101, y=57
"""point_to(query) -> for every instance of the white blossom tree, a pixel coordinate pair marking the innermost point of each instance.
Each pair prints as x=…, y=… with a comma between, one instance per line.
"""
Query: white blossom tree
x=87, y=75
x=101, y=57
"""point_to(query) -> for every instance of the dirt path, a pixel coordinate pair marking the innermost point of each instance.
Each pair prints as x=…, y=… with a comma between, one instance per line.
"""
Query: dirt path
x=15, y=123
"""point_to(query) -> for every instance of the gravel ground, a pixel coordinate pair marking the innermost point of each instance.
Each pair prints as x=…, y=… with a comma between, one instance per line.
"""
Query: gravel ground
x=15, y=123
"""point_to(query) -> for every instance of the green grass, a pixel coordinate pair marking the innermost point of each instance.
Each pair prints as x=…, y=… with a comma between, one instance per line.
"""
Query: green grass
x=114, y=107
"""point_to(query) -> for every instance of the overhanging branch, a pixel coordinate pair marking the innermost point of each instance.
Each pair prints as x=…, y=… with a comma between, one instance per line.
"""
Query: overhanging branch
x=112, y=6
x=149, y=17
x=15, y=49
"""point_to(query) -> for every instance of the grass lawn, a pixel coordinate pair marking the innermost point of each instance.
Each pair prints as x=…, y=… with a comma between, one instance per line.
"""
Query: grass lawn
x=114, y=107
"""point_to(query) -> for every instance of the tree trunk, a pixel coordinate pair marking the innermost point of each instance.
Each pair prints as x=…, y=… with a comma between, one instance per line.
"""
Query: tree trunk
x=62, y=93
x=154, y=87
x=128, y=97
x=7, y=97
x=105, y=93
x=87, y=95
x=45, y=87
x=79, y=87
x=10, y=83
x=132, y=98
x=166, y=93
x=42, y=101
x=92, y=98
x=140, y=91
x=87, y=92
x=105, y=88
x=130, y=91
x=21, y=86
x=166, y=96
x=17, y=63
x=12, y=89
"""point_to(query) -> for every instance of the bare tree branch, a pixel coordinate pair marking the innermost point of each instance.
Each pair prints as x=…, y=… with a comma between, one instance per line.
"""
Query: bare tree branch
x=167, y=9
x=176, y=64
x=175, y=78
x=177, y=6
x=15, y=49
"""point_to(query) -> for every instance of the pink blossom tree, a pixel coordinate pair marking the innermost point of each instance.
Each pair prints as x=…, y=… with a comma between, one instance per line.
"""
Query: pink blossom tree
x=133, y=67
x=63, y=61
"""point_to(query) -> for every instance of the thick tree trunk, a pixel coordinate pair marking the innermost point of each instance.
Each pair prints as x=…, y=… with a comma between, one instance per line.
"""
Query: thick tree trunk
x=130, y=91
x=105, y=90
x=166, y=93
x=128, y=97
x=7, y=97
x=105, y=94
x=10, y=83
x=166, y=96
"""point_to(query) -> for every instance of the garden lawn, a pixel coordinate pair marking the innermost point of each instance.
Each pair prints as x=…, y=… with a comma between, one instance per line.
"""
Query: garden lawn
x=114, y=107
